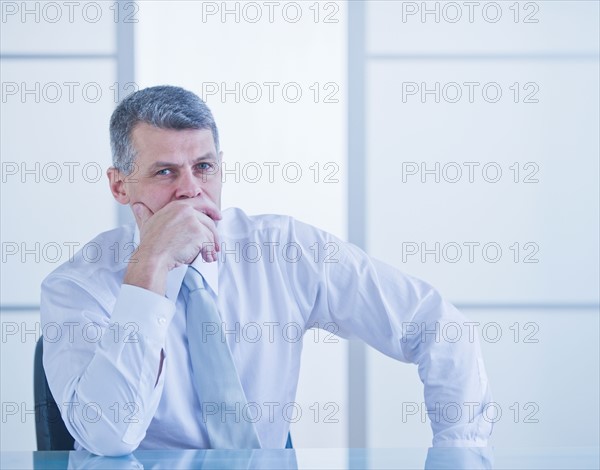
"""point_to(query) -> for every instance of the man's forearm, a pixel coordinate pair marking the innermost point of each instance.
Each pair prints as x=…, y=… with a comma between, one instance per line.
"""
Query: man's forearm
x=108, y=389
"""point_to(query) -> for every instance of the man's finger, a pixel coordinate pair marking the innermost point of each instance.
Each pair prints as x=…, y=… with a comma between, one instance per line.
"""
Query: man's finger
x=209, y=223
x=212, y=212
x=208, y=255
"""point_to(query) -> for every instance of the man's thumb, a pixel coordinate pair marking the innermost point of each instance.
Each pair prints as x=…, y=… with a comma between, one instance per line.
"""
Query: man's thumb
x=141, y=212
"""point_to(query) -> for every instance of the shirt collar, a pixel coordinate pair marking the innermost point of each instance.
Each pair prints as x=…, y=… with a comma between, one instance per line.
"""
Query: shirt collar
x=209, y=271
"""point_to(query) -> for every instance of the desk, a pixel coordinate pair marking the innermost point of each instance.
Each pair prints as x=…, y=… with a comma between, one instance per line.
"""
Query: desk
x=447, y=458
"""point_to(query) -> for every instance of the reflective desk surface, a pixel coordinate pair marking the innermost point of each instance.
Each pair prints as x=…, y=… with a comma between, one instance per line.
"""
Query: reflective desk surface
x=409, y=458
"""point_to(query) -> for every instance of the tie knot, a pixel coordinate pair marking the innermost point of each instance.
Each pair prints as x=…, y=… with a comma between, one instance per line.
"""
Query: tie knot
x=193, y=280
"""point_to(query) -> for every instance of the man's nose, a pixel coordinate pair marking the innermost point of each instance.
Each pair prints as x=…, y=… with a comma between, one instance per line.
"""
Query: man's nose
x=188, y=185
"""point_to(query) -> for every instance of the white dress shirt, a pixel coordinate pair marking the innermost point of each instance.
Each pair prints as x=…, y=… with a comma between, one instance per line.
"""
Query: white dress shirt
x=276, y=278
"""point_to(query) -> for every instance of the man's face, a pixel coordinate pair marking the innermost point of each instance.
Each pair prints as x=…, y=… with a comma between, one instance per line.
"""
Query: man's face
x=170, y=165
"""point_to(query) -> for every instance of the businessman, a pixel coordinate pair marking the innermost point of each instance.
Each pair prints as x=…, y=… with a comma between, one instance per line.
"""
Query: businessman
x=184, y=330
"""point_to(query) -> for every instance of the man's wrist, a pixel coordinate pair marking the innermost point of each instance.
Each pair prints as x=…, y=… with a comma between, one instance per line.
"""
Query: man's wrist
x=147, y=271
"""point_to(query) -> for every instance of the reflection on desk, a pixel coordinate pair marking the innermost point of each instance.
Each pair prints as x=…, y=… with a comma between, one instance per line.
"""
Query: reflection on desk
x=433, y=458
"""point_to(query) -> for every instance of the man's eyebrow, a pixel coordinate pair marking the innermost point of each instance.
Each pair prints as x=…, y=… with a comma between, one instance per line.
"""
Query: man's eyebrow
x=159, y=164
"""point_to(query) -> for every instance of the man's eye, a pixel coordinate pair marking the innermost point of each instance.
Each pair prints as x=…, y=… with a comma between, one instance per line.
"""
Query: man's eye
x=163, y=172
x=205, y=166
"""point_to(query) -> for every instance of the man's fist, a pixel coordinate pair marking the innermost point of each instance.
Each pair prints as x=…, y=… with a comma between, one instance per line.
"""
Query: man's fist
x=174, y=235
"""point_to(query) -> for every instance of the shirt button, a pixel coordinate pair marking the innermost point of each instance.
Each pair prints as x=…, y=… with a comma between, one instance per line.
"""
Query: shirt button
x=162, y=320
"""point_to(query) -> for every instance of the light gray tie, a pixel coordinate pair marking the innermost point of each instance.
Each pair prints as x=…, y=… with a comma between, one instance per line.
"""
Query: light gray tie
x=215, y=376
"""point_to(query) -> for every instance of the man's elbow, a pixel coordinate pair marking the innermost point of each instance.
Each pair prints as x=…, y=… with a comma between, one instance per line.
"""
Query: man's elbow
x=110, y=447
x=107, y=440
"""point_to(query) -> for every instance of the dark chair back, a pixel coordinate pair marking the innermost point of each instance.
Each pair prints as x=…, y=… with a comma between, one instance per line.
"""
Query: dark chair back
x=50, y=429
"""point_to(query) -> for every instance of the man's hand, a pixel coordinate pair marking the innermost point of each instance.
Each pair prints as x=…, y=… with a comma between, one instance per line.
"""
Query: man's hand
x=174, y=235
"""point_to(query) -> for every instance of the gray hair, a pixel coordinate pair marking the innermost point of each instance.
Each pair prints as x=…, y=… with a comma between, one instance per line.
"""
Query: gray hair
x=165, y=107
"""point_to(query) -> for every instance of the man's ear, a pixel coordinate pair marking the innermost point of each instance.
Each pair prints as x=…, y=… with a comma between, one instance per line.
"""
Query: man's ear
x=116, y=180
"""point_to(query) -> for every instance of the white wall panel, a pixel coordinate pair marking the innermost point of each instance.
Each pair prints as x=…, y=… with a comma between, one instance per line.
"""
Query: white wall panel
x=552, y=142
x=20, y=332
x=504, y=27
x=321, y=393
x=61, y=27
x=55, y=151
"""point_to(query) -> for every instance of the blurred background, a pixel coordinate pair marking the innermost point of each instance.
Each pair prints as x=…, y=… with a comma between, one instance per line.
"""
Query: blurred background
x=457, y=141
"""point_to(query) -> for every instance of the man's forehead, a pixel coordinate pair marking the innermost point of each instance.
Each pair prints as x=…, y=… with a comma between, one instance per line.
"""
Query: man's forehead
x=145, y=134
x=144, y=128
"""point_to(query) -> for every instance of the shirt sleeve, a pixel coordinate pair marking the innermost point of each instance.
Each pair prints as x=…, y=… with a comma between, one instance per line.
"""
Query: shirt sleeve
x=102, y=362
x=404, y=318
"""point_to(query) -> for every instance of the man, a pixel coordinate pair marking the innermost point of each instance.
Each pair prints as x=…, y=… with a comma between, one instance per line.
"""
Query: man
x=134, y=370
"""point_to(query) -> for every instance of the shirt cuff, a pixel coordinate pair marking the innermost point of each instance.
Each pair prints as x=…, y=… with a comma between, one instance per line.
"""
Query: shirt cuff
x=476, y=442
x=149, y=313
